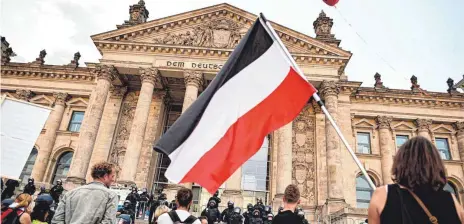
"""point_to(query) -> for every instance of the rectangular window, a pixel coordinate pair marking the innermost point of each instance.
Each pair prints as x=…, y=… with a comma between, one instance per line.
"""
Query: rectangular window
x=443, y=148
x=76, y=121
x=400, y=140
x=364, y=143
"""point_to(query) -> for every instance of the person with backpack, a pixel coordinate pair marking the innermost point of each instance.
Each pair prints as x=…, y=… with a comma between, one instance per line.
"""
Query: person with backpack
x=180, y=215
x=17, y=212
x=212, y=212
x=417, y=195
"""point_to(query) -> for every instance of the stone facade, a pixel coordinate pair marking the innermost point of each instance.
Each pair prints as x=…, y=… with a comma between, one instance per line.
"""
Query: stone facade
x=149, y=68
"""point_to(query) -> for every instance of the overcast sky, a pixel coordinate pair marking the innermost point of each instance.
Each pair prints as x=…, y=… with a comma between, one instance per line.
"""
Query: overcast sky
x=404, y=37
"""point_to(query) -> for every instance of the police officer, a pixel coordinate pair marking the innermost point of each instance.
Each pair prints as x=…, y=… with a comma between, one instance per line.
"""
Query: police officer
x=143, y=203
x=30, y=187
x=10, y=186
x=212, y=212
x=42, y=190
x=127, y=210
x=173, y=205
x=269, y=218
x=235, y=217
x=280, y=209
x=161, y=201
x=227, y=213
x=259, y=205
x=256, y=218
x=56, y=191
x=133, y=197
x=267, y=211
x=301, y=215
x=248, y=214
x=216, y=198
x=45, y=201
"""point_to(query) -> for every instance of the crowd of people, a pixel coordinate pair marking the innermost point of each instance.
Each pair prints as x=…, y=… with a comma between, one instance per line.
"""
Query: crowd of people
x=417, y=196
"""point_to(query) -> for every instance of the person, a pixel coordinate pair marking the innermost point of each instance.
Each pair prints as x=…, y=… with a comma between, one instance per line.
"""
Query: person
x=91, y=203
x=184, y=201
x=259, y=204
x=161, y=201
x=10, y=187
x=159, y=211
x=6, y=203
x=1, y=179
x=18, y=211
x=143, y=203
x=44, y=203
x=248, y=213
x=133, y=197
x=203, y=219
x=236, y=217
x=216, y=198
x=418, y=175
x=173, y=205
x=227, y=213
x=266, y=212
x=127, y=210
x=291, y=199
x=269, y=218
x=42, y=191
x=30, y=187
x=280, y=209
x=40, y=213
x=301, y=214
x=256, y=218
x=56, y=191
x=212, y=212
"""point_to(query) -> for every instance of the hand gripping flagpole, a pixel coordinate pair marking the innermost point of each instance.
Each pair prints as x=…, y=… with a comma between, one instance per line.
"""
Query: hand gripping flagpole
x=316, y=97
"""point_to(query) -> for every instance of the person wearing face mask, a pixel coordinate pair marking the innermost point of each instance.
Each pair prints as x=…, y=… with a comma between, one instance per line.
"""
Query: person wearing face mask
x=236, y=217
x=248, y=214
x=216, y=198
x=30, y=187
x=227, y=213
x=75, y=206
x=56, y=191
x=143, y=202
x=301, y=214
x=212, y=212
x=10, y=187
x=126, y=210
x=256, y=218
x=267, y=211
x=133, y=197
x=269, y=218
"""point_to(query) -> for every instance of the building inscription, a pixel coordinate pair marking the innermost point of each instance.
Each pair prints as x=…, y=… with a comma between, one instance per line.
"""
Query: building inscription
x=192, y=65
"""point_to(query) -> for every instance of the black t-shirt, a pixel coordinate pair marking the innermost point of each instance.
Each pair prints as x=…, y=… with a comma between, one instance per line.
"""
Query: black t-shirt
x=286, y=217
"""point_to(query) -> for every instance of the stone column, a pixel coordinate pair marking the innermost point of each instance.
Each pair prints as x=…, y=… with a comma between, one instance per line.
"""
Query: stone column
x=284, y=162
x=423, y=128
x=233, y=191
x=459, y=126
x=107, y=127
x=134, y=146
x=89, y=128
x=386, y=147
x=193, y=82
x=51, y=127
x=336, y=200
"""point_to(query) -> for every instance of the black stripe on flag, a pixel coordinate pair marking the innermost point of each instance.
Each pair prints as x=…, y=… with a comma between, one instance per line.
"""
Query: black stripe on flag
x=255, y=43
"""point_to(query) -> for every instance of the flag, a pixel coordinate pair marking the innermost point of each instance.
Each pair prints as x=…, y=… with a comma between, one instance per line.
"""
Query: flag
x=256, y=92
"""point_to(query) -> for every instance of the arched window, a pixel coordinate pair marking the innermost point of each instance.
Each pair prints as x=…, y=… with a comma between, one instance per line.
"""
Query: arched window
x=27, y=170
x=62, y=166
x=450, y=187
x=363, y=192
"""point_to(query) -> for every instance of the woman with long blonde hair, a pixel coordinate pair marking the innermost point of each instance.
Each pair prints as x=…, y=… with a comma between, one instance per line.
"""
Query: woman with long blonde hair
x=159, y=211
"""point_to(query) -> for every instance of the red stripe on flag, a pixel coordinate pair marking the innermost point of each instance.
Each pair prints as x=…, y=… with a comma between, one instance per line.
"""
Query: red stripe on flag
x=245, y=137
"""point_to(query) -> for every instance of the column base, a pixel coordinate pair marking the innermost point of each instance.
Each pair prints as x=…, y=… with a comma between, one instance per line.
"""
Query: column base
x=73, y=182
x=277, y=202
x=335, y=204
x=234, y=196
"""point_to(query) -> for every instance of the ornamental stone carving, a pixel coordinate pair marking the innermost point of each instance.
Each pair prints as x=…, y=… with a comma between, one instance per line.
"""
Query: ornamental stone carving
x=193, y=78
x=459, y=126
x=323, y=25
x=107, y=72
x=41, y=59
x=383, y=122
x=118, y=91
x=414, y=84
x=7, y=51
x=423, y=124
x=316, y=107
x=220, y=33
x=60, y=98
x=329, y=88
x=378, y=81
x=151, y=75
x=303, y=162
x=75, y=62
x=24, y=94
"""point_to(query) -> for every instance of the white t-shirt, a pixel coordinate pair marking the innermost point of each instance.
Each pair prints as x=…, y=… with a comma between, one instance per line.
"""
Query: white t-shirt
x=183, y=215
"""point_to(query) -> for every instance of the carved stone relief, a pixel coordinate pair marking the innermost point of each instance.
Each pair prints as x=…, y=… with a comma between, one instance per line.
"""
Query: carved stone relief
x=123, y=130
x=303, y=155
x=220, y=33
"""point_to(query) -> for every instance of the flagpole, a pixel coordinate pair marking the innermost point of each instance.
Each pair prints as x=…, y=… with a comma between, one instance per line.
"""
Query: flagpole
x=316, y=97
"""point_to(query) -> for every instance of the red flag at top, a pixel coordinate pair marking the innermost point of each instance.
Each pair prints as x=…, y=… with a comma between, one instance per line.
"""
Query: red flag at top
x=331, y=2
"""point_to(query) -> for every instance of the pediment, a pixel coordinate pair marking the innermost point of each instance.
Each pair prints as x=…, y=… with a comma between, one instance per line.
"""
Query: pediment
x=216, y=27
x=42, y=100
x=442, y=129
x=403, y=126
x=77, y=102
x=364, y=123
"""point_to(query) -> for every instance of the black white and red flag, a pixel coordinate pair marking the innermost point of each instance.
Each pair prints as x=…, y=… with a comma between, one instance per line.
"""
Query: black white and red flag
x=256, y=92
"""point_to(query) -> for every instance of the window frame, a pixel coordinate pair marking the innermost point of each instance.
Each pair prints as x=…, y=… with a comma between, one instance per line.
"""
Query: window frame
x=70, y=123
x=370, y=190
x=370, y=142
x=57, y=164
x=28, y=162
x=396, y=138
x=447, y=144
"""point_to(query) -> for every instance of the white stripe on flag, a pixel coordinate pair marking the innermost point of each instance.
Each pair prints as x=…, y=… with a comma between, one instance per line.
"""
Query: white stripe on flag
x=238, y=96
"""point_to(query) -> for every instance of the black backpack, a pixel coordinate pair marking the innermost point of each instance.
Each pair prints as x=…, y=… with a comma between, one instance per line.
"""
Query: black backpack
x=176, y=220
x=11, y=216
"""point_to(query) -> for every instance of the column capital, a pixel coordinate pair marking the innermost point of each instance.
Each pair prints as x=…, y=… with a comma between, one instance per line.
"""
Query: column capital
x=24, y=94
x=423, y=124
x=329, y=88
x=107, y=72
x=459, y=126
x=118, y=91
x=383, y=122
x=316, y=107
x=151, y=75
x=193, y=78
x=60, y=98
